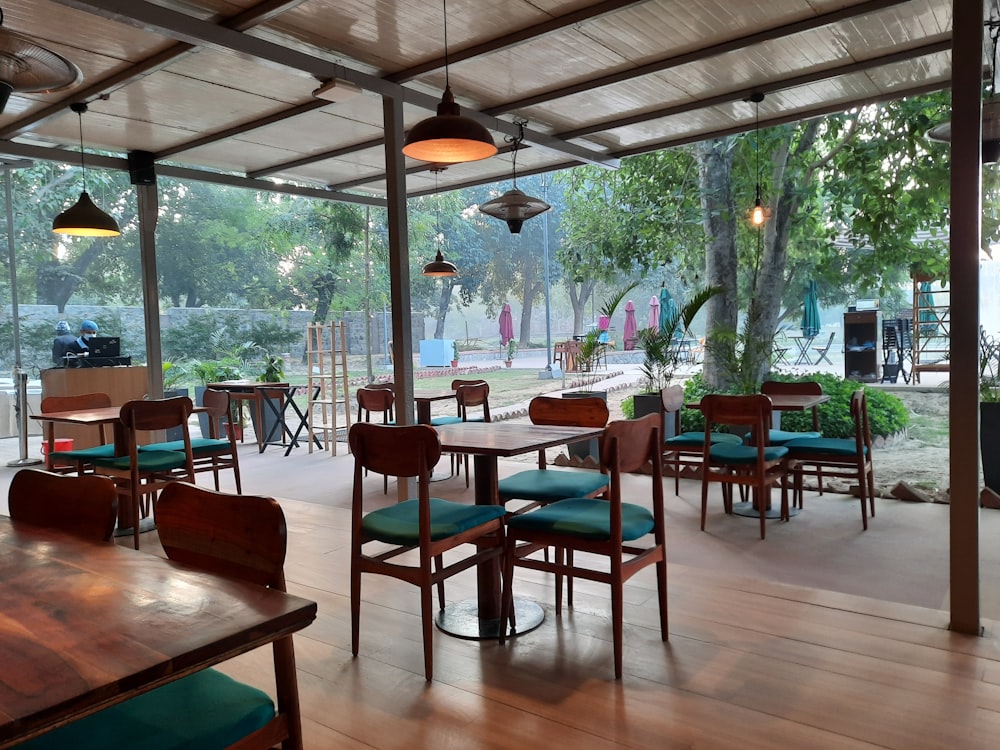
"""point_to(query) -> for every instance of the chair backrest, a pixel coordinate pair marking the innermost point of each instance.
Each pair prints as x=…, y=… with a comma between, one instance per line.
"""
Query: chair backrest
x=589, y=411
x=859, y=413
x=470, y=396
x=752, y=410
x=237, y=536
x=829, y=342
x=157, y=414
x=800, y=388
x=216, y=405
x=394, y=451
x=630, y=446
x=672, y=402
x=71, y=403
x=85, y=506
x=378, y=400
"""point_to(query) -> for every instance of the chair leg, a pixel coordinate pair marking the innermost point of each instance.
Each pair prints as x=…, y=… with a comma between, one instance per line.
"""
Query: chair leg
x=559, y=558
x=439, y=562
x=758, y=495
x=863, y=492
x=134, y=497
x=427, y=626
x=355, y=603
x=507, y=597
x=704, y=494
x=617, y=585
x=661, y=590
x=569, y=578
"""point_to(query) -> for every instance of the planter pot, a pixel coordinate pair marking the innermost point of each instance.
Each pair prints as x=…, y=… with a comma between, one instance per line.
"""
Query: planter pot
x=590, y=448
x=175, y=433
x=199, y=400
x=650, y=403
x=271, y=426
x=989, y=438
x=507, y=362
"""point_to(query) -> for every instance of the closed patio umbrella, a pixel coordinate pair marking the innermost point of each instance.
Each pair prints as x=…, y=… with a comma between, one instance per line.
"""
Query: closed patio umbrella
x=928, y=317
x=654, y=313
x=668, y=310
x=506, y=325
x=810, y=311
x=628, y=332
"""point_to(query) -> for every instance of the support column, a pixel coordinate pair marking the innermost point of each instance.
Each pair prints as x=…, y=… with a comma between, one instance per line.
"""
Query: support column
x=149, y=206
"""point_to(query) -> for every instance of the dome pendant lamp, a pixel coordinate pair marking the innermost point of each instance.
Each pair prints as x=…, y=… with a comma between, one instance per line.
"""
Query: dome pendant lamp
x=514, y=206
x=439, y=267
x=448, y=137
x=84, y=218
x=759, y=213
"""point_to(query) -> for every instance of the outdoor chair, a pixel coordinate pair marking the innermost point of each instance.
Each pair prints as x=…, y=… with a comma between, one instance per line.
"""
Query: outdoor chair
x=218, y=451
x=849, y=458
x=239, y=537
x=800, y=388
x=144, y=473
x=79, y=459
x=822, y=351
x=430, y=526
x=85, y=506
x=473, y=396
x=758, y=467
x=377, y=400
x=602, y=527
x=684, y=448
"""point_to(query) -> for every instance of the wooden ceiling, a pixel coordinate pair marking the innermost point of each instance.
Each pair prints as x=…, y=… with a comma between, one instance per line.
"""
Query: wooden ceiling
x=226, y=85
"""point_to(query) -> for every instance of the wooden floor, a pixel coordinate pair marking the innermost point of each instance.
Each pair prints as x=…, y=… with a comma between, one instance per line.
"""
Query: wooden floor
x=749, y=664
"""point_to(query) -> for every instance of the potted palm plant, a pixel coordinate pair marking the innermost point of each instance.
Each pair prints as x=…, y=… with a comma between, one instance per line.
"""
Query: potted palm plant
x=511, y=351
x=454, y=354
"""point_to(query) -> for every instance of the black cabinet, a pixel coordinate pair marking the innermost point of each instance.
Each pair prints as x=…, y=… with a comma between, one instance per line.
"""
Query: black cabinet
x=861, y=346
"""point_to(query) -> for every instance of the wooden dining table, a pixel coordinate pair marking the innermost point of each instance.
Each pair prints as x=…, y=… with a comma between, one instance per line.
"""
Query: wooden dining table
x=86, y=625
x=479, y=618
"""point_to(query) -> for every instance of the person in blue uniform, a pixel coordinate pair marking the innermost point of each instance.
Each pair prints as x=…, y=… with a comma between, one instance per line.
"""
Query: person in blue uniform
x=61, y=343
x=88, y=329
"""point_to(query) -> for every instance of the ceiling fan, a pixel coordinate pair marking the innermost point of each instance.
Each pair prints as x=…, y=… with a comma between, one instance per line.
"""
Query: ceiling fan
x=30, y=68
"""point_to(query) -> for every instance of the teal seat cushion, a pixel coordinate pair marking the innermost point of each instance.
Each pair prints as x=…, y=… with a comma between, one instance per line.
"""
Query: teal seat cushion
x=728, y=453
x=398, y=524
x=585, y=518
x=199, y=446
x=86, y=454
x=697, y=439
x=780, y=437
x=204, y=710
x=148, y=461
x=549, y=485
x=827, y=446
x=445, y=420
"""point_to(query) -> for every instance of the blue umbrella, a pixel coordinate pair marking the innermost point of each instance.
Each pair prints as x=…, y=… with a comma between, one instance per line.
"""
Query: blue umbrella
x=928, y=317
x=668, y=310
x=810, y=311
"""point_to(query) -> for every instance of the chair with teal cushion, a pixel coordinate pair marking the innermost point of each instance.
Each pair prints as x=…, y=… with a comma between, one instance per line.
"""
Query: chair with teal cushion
x=758, y=467
x=380, y=400
x=848, y=458
x=219, y=450
x=605, y=527
x=684, y=448
x=456, y=418
x=236, y=536
x=798, y=388
x=79, y=460
x=430, y=525
x=472, y=397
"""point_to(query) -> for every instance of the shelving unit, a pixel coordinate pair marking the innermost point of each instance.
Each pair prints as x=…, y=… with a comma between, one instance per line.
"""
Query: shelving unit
x=861, y=346
x=931, y=330
x=326, y=356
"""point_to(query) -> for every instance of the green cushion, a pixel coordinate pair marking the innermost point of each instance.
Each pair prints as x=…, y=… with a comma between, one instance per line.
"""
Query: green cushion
x=827, y=446
x=697, y=439
x=204, y=710
x=198, y=446
x=398, y=524
x=780, y=437
x=86, y=454
x=728, y=453
x=446, y=420
x=148, y=461
x=585, y=518
x=549, y=485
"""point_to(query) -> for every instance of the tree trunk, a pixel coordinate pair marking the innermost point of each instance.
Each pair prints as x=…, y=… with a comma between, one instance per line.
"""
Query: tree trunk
x=444, y=302
x=579, y=294
x=715, y=169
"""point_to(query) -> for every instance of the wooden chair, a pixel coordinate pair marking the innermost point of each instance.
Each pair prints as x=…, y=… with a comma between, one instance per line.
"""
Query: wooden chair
x=473, y=396
x=839, y=457
x=141, y=473
x=445, y=419
x=85, y=506
x=429, y=525
x=601, y=527
x=79, y=460
x=802, y=388
x=377, y=400
x=218, y=451
x=823, y=350
x=235, y=536
x=758, y=467
x=684, y=448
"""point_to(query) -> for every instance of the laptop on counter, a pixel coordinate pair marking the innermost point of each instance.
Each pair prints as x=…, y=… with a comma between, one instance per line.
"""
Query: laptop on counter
x=105, y=346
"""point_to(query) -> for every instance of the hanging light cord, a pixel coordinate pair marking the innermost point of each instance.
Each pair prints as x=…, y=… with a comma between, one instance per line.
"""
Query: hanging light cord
x=515, y=142
x=444, y=5
x=80, y=108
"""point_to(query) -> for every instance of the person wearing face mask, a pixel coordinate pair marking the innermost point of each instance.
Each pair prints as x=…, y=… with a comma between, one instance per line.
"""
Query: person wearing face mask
x=80, y=347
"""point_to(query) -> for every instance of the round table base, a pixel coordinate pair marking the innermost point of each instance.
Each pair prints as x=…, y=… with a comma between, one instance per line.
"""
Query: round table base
x=461, y=619
x=747, y=510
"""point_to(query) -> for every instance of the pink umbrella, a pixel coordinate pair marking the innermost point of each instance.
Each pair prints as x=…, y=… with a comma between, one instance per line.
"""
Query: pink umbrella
x=506, y=325
x=654, y=313
x=630, y=325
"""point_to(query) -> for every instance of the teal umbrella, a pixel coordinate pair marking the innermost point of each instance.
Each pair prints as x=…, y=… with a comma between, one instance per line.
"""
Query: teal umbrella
x=668, y=310
x=928, y=317
x=810, y=311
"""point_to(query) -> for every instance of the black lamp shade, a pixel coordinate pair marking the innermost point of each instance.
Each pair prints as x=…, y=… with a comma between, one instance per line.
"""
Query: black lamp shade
x=439, y=267
x=448, y=138
x=85, y=219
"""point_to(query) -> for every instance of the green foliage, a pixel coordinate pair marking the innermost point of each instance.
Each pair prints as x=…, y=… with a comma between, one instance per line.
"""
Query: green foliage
x=275, y=336
x=886, y=414
x=454, y=351
x=740, y=357
x=989, y=368
x=274, y=369
x=662, y=354
x=628, y=407
x=511, y=348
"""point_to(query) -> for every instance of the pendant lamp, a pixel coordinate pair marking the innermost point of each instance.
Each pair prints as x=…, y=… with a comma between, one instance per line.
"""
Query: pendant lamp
x=84, y=218
x=759, y=213
x=514, y=206
x=448, y=138
x=991, y=110
x=439, y=267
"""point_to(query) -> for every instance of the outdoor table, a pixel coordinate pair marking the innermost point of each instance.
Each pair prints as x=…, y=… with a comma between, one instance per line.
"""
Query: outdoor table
x=279, y=399
x=480, y=618
x=803, y=343
x=86, y=625
x=424, y=399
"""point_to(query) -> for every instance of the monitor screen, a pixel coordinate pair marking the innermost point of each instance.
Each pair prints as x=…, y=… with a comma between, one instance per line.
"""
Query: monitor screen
x=104, y=346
